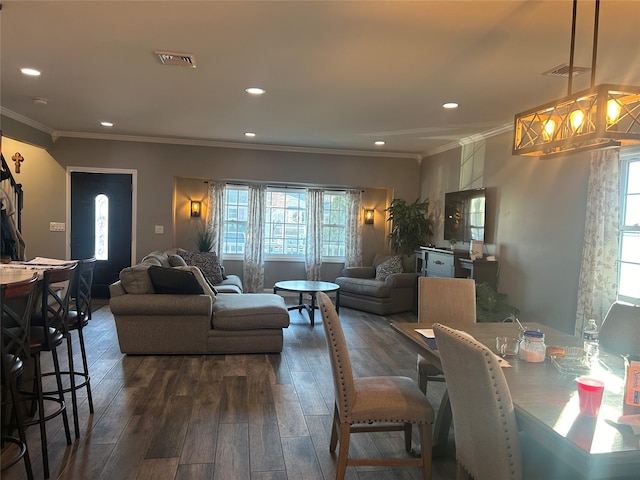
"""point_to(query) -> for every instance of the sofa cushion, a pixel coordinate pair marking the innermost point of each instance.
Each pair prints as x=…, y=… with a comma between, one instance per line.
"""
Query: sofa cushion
x=176, y=261
x=135, y=280
x=207, y=262
x=364, y=286
x=157, y=256
x=174, y=281
x=250, y=311
x=388, y=267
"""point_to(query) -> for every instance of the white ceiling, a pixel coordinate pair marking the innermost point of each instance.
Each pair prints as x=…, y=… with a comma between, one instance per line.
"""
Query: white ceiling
x=338, y=74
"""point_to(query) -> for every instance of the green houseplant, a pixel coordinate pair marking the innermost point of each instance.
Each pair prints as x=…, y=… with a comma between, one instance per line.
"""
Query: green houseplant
x=492, y=306
x=411, y=226
x=204, y=239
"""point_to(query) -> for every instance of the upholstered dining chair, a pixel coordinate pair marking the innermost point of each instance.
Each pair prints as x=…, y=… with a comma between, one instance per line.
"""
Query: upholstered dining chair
x=488, y=446
x=15, y=303
x=372, y=404
x=443, y=300
x=620, y=331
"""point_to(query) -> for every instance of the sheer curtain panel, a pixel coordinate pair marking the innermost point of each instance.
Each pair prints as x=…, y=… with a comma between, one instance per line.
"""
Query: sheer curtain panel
x=313, y=247
x=353, y=240
x=215, y=216
x=598, y=284
x=253, y=267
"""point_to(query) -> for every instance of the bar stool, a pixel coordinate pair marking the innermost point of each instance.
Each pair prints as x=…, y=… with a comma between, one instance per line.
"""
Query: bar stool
x=47, y=334
x=15, y=303
x=77, y=318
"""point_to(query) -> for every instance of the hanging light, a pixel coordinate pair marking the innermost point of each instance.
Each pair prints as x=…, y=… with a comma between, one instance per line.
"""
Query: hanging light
x=601, y=117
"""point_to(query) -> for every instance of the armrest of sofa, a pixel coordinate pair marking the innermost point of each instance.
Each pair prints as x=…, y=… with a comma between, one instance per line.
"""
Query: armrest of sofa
x=359, y=272
x=161, y=304
x=401, y=280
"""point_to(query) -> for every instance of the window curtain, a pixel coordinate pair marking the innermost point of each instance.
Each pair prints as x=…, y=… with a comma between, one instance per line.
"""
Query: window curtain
x=215, y=216
x=598, y=284
x=353, y=240
x=253, y=267
x=313, y=248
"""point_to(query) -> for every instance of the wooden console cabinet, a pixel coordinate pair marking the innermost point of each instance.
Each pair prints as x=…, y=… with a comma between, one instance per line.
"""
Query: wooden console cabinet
x=440, y=262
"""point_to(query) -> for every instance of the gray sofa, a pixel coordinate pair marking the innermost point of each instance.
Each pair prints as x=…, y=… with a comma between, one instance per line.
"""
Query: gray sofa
x=360, y=290
x=209, y=323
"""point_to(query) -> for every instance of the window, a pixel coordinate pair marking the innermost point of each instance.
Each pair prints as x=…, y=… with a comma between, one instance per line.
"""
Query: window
x=285, y=222
x=236, y=205
x=101, y=227
x=629, y=256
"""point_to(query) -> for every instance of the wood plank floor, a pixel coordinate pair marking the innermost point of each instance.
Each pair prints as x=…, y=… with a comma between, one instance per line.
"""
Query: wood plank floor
x=257, y=417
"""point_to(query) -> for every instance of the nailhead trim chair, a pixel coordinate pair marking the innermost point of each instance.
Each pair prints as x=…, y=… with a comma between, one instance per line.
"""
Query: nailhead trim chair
x=372, y=404
x=443, y=300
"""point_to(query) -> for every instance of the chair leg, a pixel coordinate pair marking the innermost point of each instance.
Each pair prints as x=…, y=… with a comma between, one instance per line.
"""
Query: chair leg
x=426, y=442
x=85, y=366
x=343, y=453
x=72, y=388
x=65, y=418
x=407, y=436
x=43, y=431
x=17, y=412
x=334, y=430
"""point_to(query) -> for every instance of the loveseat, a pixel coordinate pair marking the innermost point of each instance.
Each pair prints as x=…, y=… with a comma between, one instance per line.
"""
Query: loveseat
x=162, y=306
x=387, y=286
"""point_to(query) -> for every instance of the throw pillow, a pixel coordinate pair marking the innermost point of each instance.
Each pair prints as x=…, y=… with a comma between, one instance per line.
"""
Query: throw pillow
x=386, y=268
x=173, y=280
x=206, y=286
x=135, y=280
x=207, y=262
x=176, y=261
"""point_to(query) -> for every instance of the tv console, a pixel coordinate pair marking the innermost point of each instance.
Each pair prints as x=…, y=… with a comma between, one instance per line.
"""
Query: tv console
x=444, y=262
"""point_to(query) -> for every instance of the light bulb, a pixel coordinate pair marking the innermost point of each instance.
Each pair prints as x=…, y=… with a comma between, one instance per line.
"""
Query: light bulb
x=577, y=118
x=549, y=128
x=613, y=111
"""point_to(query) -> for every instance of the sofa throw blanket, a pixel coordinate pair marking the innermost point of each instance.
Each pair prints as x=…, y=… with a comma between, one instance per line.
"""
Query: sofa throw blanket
x=207, y=262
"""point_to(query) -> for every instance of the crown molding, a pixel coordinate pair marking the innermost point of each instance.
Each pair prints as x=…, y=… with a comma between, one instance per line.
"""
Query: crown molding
x=470, y=139
x=27, y=121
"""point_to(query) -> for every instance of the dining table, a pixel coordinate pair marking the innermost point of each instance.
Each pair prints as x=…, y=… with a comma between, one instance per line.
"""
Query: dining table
x=546, y=403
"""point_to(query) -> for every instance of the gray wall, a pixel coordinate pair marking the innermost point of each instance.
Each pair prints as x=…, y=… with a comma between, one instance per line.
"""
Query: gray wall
x=159, y=166
x=536, y=214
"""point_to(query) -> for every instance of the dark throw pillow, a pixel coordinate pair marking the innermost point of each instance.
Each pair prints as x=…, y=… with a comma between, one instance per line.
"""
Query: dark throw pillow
x=207, y=262
x=175, y=281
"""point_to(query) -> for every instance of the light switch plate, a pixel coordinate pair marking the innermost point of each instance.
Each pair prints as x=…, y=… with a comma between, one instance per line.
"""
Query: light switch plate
x=159, y=228
x=56, y=226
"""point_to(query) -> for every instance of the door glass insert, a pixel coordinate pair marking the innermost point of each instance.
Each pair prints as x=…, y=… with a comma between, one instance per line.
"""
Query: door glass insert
x=102, y=227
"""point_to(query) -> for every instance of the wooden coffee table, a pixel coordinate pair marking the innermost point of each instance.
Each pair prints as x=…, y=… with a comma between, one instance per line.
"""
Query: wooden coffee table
x=312, y=288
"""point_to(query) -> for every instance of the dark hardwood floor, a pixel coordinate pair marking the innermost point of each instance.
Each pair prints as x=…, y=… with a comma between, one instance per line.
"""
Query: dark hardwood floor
x=258, y=417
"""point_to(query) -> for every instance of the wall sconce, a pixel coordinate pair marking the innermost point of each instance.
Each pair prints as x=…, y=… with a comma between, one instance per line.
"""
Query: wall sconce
x=196, y=208
x=368, y=216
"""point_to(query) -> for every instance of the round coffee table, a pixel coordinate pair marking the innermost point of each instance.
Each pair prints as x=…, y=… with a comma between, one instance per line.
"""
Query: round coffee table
x=312, y=288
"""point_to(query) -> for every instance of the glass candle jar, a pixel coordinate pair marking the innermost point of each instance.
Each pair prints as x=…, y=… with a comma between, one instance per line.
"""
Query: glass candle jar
x=532, y=347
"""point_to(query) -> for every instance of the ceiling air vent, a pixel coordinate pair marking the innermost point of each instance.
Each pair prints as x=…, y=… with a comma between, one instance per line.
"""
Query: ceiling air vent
x=177, y=59
x=563, y=71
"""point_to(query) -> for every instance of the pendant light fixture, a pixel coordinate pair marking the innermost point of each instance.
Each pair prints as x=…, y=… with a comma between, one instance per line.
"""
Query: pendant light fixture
x=603, y=116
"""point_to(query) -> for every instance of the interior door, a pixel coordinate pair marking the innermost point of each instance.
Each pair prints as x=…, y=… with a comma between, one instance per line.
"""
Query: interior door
x=101, y=206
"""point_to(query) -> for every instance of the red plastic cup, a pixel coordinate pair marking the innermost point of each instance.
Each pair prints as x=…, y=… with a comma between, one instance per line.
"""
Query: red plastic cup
x=590, y=392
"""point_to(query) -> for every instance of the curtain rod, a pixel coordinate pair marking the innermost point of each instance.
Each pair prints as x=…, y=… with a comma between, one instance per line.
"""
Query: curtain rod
x=328, y=189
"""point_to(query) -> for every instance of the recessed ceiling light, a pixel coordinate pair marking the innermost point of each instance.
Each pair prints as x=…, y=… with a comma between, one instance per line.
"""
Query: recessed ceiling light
x=249, y=134
x=450, y=105
x=379, y=142
x=30, y=71
x=106, y=124
x=254, y=90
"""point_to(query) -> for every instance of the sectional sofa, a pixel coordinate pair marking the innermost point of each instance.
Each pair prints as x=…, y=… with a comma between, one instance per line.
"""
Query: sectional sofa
x=164, y=306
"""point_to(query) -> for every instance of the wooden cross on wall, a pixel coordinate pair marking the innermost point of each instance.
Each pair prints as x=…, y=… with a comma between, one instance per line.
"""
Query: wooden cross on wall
x=17, y=159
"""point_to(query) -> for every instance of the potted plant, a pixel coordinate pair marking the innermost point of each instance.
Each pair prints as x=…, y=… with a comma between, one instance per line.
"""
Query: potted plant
x=204, y=239
x=411, y=226
x=452, y=242
x=492, y=306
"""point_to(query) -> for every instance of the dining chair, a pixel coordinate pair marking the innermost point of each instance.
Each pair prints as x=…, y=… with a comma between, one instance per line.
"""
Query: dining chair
x=445, y=301
x=77, y=318
x=16, y=303
x=46, y=335
x=488, y=445
x=372, y=404
x=620, y=331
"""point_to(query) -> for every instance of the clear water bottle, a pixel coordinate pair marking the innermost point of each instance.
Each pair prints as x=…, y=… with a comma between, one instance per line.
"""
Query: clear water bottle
x=590, y=337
